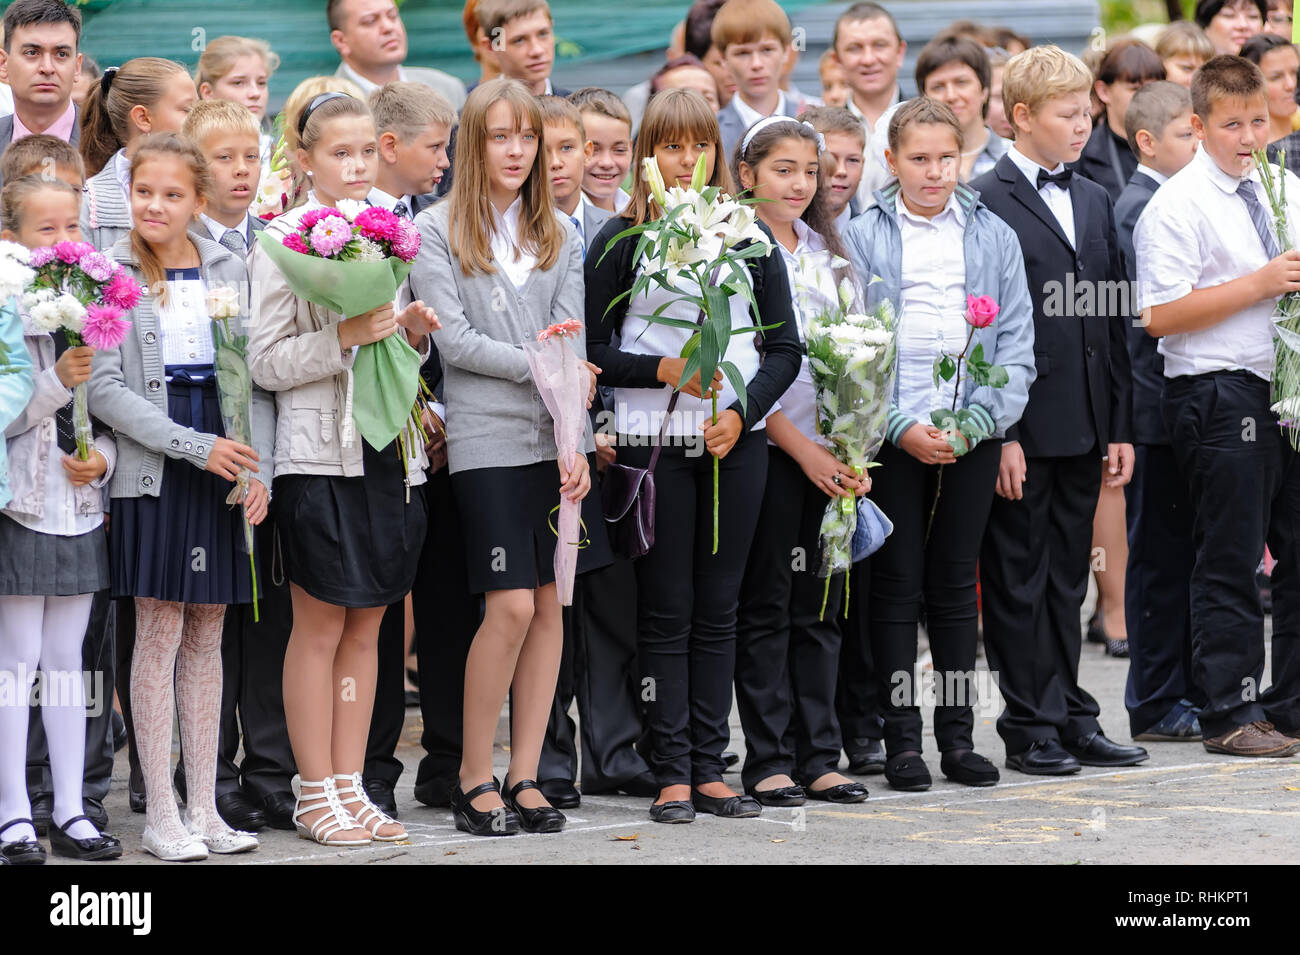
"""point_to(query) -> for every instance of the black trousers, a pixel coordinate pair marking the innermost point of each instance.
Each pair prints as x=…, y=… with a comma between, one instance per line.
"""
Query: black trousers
x=857, y=704
x=599, y=668
x=908, y=569
x=97, y=660
x=1157, y=588
x=1034, y=567
x=1243, y=479
x=687, y=598
x=787, y=652
x=123, y=648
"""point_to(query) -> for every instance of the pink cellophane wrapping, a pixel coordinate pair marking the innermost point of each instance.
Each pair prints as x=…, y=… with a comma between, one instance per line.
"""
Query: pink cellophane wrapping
x=563, y=381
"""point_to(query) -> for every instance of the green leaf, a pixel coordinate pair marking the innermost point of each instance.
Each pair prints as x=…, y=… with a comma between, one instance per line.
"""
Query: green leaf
x=691, y=345
x=691, y=369
x=737, y=384
x=634, y=230
x=977, y=355
x=934, y=371
x=947, y=368
x=998, y=376
x=700, y=172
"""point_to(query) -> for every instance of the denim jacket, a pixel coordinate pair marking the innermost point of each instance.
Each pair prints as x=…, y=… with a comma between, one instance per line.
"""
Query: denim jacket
x=15, y=383
x=994, y=267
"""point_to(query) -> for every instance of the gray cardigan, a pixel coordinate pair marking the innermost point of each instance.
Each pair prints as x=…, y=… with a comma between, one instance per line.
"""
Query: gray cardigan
x=128, y=390
x=495, y=416
x=105, y=214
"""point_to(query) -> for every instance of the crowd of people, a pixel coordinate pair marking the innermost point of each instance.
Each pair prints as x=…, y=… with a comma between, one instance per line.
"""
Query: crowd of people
x=421, y=573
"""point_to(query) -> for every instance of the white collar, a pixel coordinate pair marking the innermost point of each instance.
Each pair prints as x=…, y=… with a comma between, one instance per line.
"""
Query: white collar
x=365, y=85
x=952, y=210
x=1029, y=168
x=749, y=116
x=510, y=218
x=1211, y=171
x=844, y=218
x=1153, y=174
x=377, y=197
x=122, y=169
x=894, y=100
x=218, y=231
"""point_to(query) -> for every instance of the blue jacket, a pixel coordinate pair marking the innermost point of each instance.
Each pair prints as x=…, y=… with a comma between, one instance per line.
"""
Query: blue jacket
x=994, y=267
x=15, y=383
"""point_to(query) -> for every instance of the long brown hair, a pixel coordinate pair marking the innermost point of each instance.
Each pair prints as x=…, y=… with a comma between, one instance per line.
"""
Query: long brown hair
x=106, y=115
x=470, y=215
x=156, y=146
x=674, y=115
x=340, y=106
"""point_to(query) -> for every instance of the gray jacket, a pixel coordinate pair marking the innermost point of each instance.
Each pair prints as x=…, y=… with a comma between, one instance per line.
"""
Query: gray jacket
x=105, y=214
x=128, y=388
x=495, y=416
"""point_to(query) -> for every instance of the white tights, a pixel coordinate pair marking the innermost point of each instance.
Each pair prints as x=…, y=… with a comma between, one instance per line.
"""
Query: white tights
x=44, y=632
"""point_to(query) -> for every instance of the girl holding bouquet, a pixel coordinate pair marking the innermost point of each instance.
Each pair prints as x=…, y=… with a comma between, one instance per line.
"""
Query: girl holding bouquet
x=933, y=244
x=687, y=595
x=176, y=546
x=500, y=265
x=143, y=96
x=787, y=647
x=349, y=531
x=53, y=555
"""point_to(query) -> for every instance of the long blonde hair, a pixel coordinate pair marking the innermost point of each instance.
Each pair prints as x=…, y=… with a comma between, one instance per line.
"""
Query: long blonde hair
x=470, y=214
x=176, y=146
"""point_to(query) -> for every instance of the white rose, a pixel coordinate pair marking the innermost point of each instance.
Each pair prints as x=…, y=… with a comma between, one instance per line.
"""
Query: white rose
x=71, y=312
x=350, y=208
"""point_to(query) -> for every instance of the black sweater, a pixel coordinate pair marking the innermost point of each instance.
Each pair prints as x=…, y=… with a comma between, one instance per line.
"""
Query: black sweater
x=780, y=349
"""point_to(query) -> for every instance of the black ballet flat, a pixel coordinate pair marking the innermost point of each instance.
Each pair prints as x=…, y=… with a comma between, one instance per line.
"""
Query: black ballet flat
x=908, y=774
x=493, y=822
x=675, y=811
x=95, y=849
x=729, y=807
x=541, y=819
x=21, y=852
x=969, y=768
x=780, y=796
x=841, y=793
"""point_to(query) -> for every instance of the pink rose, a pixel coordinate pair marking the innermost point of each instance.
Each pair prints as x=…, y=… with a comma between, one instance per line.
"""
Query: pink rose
x=981, y=311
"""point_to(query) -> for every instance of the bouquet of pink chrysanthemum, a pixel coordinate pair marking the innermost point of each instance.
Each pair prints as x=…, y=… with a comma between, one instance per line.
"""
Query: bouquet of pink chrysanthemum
x=351, y=259
x=84, y=293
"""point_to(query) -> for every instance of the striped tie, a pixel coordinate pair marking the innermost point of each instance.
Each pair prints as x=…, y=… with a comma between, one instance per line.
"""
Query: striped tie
x=1258, y=217
x=401, y=210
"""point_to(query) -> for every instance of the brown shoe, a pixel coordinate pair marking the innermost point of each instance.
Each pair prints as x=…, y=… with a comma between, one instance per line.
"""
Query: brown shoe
x=1254, y=739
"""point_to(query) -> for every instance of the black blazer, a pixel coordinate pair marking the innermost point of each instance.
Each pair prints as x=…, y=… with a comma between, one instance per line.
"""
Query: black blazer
x=1102, y=154
x=1148, y=363
x=1084, y=390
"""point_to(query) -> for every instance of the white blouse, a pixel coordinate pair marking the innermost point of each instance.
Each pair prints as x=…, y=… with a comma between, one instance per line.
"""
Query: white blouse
x=812, y=285
x=514, y=261
x=932, y=307
x=183, y=322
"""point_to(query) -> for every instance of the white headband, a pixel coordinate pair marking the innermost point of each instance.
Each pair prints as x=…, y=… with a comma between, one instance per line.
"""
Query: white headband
x=772, y=121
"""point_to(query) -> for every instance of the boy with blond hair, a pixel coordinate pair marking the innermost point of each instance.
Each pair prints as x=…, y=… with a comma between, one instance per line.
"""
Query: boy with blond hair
x=1037, y=546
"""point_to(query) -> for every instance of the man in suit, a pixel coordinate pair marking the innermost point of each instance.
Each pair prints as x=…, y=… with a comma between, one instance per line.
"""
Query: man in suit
x=1037, y=546
x=371, y=40
x=40, y=62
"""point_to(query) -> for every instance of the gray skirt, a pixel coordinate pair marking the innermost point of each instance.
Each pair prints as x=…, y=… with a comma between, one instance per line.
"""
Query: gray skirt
x=33, y=564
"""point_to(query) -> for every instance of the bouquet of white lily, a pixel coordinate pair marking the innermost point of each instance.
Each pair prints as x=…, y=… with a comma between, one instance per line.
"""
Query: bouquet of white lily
x=696, y=251
x=1286, y=316
x=851, y=356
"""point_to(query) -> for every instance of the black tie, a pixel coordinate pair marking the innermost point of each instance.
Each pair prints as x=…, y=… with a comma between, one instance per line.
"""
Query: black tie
x=67, y=434
x=1061, y=178
x=401, y=210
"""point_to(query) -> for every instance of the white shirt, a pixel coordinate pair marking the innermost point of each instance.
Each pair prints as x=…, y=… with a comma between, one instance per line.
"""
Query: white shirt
x=184, y=325
x=578, y=216
x=1158, y=177
x=1056, y=196
x=932, y=305
x=812, y=285
x=844, y=218
x=749, y=116
x=218, y=231
x=1196, y=233
x=875, y=171
x=377, y=197
x=122, y=169
x=515, y=262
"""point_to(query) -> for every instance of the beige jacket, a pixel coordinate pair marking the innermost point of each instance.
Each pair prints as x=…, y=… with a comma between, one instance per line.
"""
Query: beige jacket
x=293, y=350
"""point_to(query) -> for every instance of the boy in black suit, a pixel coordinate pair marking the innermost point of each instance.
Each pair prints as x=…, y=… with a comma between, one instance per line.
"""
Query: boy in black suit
x=1035, y=558
x=1159, y=696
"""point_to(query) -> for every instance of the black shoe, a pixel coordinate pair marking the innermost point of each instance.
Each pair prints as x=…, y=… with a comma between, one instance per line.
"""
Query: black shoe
x=21, y=852
x=239, y=812
x=277, y=808
x=42, y=809
x=780, y=796
x=560, y=793
x=380, y=792
x=119, y=731
x=643, y=785
x=866, y=756
x=477, y=822
x=95, y=849
x=135, y=797
x=436, y=792
x=908, y=773
x=95, y=812
x=1096, y=750
x=730, y=807
x=968, y=768
x=1116, y=648
x=1044, y=757
x=1096, y=631
x=541, y=819
x=675, y=811
x=730, y=759
x=178, y=781
x=841, y=793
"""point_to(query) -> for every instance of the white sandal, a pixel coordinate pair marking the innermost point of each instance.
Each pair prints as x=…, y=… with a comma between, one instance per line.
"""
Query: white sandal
x=371, y=817
x=336, y=820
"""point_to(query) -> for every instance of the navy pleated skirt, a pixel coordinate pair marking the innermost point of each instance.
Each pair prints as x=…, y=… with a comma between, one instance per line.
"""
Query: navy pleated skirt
x=186, y=544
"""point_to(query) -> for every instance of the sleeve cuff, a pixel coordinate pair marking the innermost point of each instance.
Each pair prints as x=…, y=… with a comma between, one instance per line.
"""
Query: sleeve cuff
x=897, y=425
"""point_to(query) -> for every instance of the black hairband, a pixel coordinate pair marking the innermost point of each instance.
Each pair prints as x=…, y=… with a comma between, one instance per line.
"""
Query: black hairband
x=320, y=99
x=106, y=80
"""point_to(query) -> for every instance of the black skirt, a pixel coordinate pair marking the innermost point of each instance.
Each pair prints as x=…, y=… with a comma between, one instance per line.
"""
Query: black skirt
x=186, y=545
x=351, y=541
x=506, y=514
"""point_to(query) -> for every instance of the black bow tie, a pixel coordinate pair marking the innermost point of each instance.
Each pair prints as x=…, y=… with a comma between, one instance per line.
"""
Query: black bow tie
x=1061, y=178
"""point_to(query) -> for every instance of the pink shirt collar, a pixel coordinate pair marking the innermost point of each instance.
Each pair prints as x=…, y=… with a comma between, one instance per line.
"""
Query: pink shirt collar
x=62, y=127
